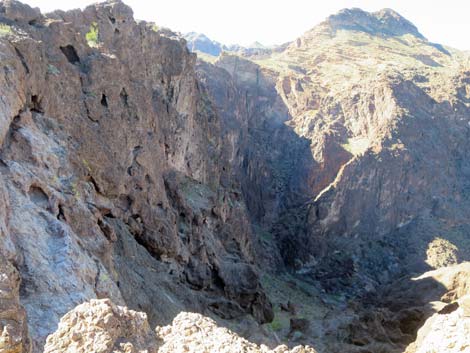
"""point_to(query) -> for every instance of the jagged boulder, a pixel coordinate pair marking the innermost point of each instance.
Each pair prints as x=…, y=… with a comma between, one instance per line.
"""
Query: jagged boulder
x=102, y=327
x=446, y=331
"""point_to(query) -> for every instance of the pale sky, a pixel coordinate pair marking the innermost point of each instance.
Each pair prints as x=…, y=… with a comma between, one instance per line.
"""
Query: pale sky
x=278, y=21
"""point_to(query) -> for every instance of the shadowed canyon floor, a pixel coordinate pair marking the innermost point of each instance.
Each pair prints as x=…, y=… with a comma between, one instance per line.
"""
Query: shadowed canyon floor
x=308, y=197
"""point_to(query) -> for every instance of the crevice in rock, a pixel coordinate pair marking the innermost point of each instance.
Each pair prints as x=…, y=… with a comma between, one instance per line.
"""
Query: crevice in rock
x=107, y=230
x=104, y=101
x=124, y=97
x=22, y=59
x=89, y=116
x=89, y=178
x=71, y=54
x=35, y=104
x=38, y=196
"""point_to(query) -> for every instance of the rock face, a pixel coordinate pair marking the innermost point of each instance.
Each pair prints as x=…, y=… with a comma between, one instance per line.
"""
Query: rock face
x=111, y=165
x=448, y=329
x=388, y=146
x=383, y=191
x=14, y=333
x=333, y=170
x=445, y=333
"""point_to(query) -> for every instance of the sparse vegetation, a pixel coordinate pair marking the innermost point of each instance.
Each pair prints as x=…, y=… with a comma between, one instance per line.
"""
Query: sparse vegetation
x=92, y=35
x=5, y=29
x=51, y=69
x=206, y=57
x=441, y=252
x=87, y=165
x=276, y=324
x=286, y=288
x=263, y=234
x=75, y=191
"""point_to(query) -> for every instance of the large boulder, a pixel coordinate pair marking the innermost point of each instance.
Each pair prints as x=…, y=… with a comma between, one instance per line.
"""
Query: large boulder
x=446, y=331
x=102, y=327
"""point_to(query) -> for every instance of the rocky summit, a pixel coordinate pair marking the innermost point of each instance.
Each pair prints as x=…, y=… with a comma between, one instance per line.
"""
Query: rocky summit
x=310, y=197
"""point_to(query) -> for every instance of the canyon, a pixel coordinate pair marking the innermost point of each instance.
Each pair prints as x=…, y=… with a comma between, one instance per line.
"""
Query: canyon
x=311, y=197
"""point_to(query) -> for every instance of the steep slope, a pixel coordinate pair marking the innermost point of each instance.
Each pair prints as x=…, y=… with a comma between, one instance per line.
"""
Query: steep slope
x=387, y=116
x=111, y=159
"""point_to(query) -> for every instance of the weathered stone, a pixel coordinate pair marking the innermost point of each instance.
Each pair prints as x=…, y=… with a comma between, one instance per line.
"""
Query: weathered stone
x=13, y=329
x=195, y=333
x=101, y=326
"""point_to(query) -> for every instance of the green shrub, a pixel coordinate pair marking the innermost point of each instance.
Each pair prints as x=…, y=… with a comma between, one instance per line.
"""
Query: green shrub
x=5, y=29
x=276, y=324
x=92, y=35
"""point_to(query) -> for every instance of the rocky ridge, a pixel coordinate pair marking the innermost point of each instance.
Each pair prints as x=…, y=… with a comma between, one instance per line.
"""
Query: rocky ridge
x=101, y=326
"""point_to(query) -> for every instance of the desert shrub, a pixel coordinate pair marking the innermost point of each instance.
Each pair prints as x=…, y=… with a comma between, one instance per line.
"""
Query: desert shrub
x=92, y=35
x=276, y=324
x=5, y=29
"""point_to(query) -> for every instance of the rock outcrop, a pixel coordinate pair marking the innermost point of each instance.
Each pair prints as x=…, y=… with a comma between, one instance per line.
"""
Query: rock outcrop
x=445, y=331
x=101, y=326
x=196, y=333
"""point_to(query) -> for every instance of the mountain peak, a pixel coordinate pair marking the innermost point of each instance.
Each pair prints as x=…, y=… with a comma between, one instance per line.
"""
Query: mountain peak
x=384, y=22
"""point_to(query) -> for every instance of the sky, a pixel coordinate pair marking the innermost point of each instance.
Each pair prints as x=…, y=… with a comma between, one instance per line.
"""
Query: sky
x=278, y=21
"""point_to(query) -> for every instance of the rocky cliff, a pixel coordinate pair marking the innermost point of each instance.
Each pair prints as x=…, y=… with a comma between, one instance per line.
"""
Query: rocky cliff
x=111, y=165
x=297, y=195
x=382, y=191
